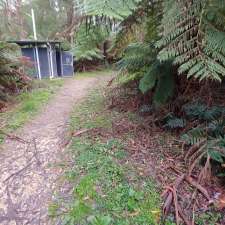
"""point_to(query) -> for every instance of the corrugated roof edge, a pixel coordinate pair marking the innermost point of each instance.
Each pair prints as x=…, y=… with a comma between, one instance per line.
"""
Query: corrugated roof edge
x=33, y=42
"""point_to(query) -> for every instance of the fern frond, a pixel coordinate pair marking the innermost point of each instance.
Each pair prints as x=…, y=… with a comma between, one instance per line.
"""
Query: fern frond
x=149, y=80
x=173, y=122
x=88, y=45
x=194, y=110
x=216, y=128
x=194, y=136
x=165, y=84
x=194, y=33
x=136, y=56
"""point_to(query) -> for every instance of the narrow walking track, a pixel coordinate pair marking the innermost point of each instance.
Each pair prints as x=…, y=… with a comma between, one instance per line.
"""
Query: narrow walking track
x=27, y=178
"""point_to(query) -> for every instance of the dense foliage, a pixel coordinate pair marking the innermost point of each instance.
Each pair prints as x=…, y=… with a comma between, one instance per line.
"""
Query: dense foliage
x=161, y=46
x=194, y=33
x=11, y=79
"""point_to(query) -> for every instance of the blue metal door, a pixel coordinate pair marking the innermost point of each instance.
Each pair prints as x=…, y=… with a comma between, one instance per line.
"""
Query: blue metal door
x=67, y=64
x=44, y=62
x=29, y=53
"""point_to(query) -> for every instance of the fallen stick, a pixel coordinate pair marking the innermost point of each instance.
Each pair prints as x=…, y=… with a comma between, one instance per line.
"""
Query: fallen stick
x=18, y=172
x=14, y=137
x=187, y=222
x=78, y=133
x=193, y=149
x=198, y=186
x=110, y=82
x=36, y=152
x=175, y=201
x=172, y=197
x=169, y=195
x=168, y=202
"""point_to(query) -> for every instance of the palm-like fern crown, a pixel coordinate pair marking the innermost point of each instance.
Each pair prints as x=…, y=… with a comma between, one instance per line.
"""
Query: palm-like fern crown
x=116, y=9
x=194, y=34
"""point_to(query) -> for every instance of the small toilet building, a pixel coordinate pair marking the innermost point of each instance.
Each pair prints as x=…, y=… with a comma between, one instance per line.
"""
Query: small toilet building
x=48, y=59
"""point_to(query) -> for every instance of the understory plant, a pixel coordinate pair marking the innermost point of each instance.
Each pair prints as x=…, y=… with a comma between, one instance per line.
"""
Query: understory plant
x=193, y=33
x=11, y=79
x=140, y=63
x=206, y=138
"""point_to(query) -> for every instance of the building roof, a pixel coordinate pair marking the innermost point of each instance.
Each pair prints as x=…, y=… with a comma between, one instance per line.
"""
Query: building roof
x=33, y=42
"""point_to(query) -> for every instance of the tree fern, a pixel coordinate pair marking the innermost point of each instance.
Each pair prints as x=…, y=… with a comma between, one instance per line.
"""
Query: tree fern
x=137, y=56
x=116, y=9
x=10, y=78
x=194, y=33
x=88, y=44
x=136, y=62
x=149, y=80
x=159, y=76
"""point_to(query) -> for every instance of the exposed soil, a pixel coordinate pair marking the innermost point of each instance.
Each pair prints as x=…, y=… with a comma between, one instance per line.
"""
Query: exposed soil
x=28, y=176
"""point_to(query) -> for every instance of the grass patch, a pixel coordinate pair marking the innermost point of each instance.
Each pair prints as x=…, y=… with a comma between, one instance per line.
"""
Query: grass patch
x=105, y=189
x=27, y=104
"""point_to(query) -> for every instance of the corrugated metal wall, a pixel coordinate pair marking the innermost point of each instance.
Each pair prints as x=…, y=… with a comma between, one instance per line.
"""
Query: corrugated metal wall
x=62, y=62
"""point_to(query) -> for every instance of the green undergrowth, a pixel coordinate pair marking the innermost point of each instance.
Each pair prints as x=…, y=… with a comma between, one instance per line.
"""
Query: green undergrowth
x=106, y=189
x=27, y=104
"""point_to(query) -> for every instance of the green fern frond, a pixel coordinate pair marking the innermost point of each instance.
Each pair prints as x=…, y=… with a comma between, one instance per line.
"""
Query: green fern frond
x=165, y=84
x=149, y=80
x=136, y=56
x=194, y=33
x=194, y=110
x=194, y=136
x=111, y=8
x=125, y=78
x=216, y=128
x=173, y=122
x=202, y=112
x=88, y=45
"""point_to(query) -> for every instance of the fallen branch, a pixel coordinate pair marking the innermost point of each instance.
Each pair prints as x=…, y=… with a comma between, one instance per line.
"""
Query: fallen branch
x=14, y=137
x=170, y=195
x=110, y=82
x=173, y=190
x=36, y=152
x=187, y=222
x=80, y=132
x=193, y=149
x=198, y=186
x=19, y=171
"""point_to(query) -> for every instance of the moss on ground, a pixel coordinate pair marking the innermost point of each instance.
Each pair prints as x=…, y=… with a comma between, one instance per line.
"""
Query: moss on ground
x=106, y=189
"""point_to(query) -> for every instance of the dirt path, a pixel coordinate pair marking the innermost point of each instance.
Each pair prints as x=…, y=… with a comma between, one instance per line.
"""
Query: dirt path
x=26, y=178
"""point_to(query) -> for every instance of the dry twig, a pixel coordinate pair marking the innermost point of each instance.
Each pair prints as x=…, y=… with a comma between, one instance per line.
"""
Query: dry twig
x=14, y=137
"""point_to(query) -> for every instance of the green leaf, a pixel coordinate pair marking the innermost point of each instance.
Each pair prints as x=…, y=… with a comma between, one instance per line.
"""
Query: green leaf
x=101, y=220
x=221, y=175
x=175, y=123
x=147, y=82
x=215, y=155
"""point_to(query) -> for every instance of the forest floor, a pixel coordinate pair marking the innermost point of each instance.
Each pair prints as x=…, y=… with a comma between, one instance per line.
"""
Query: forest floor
x=89, y=159
x=102, y=183
x=27, y=176
x=116, y=166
